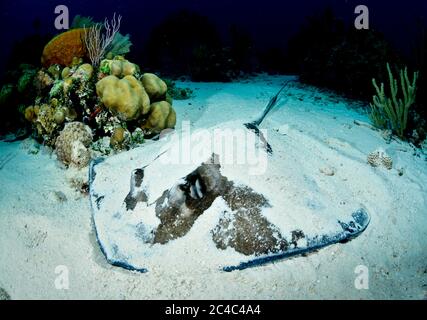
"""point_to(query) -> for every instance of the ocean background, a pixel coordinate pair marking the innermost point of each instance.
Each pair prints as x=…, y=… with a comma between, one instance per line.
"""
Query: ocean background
x=270, y=23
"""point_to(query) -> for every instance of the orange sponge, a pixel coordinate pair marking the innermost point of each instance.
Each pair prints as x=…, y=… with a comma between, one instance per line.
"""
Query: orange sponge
x=64, y=47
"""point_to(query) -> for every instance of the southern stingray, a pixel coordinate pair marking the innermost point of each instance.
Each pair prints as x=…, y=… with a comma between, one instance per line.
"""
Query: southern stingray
x=187, y=199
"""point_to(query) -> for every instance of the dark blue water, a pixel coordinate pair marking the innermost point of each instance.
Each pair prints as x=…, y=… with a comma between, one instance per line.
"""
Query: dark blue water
x=270, y=22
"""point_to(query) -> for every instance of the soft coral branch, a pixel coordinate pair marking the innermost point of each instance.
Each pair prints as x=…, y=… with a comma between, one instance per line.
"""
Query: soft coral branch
x=97, y=42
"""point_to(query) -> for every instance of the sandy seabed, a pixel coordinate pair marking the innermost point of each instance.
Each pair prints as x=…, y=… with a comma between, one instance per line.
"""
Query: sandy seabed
x=45, y=222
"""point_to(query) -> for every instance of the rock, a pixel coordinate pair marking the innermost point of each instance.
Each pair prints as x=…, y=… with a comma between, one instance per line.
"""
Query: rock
x=45, y=122
x=72, y=144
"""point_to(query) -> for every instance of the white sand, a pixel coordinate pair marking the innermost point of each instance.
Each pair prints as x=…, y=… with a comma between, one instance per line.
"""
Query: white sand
x=40, y=231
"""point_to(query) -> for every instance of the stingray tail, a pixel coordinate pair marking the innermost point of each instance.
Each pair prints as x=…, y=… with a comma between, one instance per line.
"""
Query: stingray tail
x=254, y=124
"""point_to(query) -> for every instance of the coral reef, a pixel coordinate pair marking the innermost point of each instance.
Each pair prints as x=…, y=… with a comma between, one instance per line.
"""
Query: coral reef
x=64, y=47
x=121, y=45
x=26, y=79
x=98, y=42
x=42, y=82
x=46, y=120
x=155, y=87
x=83, y=72
x=380, y=158
x=120, y=138
x=125, y=97
x=119, y=67
x=72, y=145
x=109, y=44
x=17, y=92
x=162, y=116
x=72, y=95
x=57, y=99
x=54, y=71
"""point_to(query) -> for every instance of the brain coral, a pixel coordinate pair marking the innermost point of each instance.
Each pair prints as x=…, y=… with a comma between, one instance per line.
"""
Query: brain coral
x=72, y=145
x=162, y=116
x=119, y=67
x=63, y=48
x=125, y=97
x=155, y=87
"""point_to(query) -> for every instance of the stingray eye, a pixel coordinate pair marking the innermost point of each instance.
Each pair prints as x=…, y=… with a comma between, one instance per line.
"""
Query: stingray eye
x=196, y=190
